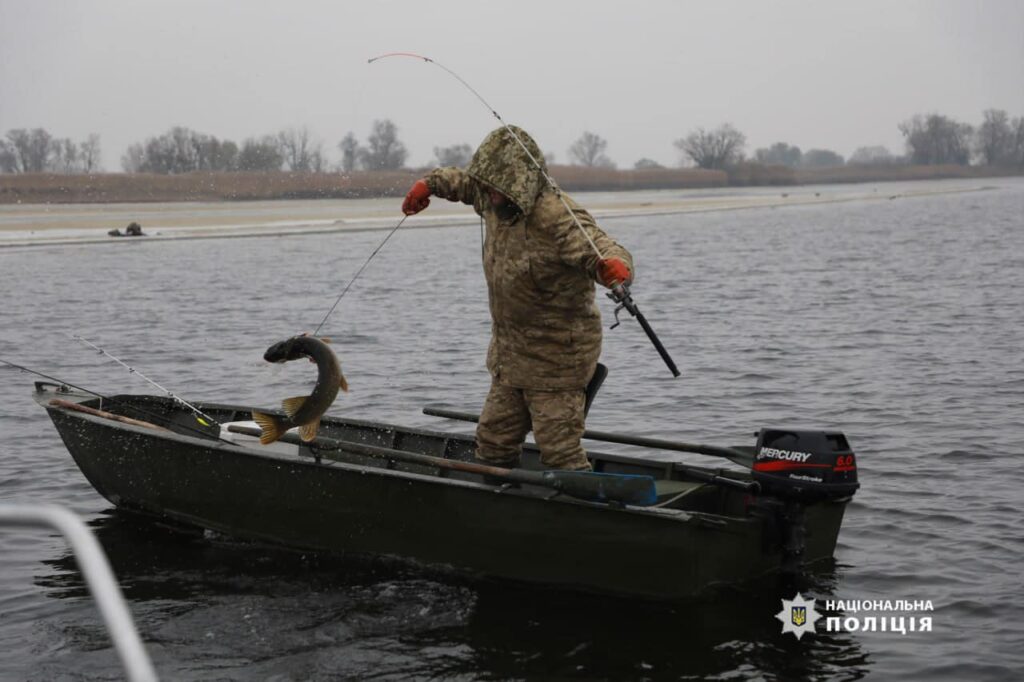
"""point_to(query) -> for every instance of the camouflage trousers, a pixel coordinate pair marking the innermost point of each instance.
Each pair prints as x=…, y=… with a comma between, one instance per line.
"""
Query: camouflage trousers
x=556, y=418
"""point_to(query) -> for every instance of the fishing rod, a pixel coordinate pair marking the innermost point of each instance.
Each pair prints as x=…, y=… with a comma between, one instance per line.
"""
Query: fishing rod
x=104, y=398
x=359, y=272
x=619, y=291
x=202, y=418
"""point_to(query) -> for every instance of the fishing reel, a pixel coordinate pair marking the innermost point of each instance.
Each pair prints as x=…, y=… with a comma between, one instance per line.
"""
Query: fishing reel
x=623, y=299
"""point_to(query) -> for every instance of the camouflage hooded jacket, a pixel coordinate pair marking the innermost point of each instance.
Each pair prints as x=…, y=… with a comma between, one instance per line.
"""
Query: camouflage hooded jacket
x=540, y=268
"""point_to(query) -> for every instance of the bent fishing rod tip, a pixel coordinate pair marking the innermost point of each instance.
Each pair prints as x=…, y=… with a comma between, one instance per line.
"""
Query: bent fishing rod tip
x=371, y=60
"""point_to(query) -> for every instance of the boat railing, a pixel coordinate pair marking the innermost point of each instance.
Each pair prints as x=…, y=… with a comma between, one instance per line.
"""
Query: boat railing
x=99, y=577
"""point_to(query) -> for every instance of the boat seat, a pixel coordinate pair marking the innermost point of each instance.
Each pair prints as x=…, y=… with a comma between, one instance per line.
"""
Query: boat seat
x=671, y=489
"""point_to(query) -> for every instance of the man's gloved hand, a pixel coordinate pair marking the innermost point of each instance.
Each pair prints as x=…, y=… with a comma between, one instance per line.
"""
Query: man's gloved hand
x=612, y=271
x=417, y=199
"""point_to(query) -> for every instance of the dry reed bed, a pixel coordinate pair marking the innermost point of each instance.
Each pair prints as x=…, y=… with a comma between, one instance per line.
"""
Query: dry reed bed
x=205, y=186
x=883, y=173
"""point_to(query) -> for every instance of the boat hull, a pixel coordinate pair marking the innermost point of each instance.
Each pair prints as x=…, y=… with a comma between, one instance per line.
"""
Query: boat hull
x=417, y=514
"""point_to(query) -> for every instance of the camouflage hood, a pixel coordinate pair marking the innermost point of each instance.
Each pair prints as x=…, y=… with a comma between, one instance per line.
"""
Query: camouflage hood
x=501, y=163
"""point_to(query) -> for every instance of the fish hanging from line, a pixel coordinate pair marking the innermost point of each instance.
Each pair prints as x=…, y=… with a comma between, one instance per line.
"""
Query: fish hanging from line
x=303, y=411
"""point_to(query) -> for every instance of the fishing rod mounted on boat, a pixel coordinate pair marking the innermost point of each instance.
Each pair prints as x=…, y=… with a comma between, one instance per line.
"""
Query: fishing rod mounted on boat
x=64, y=387
x=203, y=419
x=620, y=292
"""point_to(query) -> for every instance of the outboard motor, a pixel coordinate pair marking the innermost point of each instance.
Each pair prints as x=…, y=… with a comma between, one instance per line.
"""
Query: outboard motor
x=797, y=468
x=807, y=466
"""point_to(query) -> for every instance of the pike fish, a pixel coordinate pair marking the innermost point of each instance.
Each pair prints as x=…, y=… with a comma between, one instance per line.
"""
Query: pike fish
x=303, y=411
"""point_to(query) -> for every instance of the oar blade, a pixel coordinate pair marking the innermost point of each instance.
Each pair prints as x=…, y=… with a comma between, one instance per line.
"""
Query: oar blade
x=598, y=487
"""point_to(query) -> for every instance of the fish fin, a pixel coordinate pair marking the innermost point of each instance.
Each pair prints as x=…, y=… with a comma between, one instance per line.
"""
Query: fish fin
x=292, y=405
x=308, y=431
x=271, y=426
x=343, y=383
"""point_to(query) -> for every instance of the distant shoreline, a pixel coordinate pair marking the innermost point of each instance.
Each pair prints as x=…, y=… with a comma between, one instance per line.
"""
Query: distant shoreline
x=33, y=225
x=116, y=188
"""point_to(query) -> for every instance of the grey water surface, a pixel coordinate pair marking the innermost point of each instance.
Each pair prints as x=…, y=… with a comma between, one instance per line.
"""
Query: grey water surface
x=898, y=322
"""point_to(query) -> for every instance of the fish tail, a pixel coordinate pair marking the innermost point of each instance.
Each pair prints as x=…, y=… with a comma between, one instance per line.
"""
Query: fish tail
x=273, y=427
x=308, y=431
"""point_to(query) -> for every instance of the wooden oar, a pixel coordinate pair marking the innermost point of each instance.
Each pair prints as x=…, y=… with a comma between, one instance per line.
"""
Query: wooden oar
x=67, y=404
x=733, y=455
x=585, y=485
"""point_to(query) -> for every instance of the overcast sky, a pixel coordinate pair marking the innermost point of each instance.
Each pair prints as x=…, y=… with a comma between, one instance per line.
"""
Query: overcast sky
x=641, y=74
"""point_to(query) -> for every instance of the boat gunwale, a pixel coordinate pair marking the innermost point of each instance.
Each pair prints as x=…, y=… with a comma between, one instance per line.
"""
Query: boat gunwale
x=666, y=465
x=213, y=443
x=679, y=515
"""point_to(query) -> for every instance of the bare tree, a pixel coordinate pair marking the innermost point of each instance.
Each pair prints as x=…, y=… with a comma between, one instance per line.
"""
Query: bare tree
x=176, y=151
x=647, y=164
x=1017, y=154
x=713, y=148
x=821, y=158
x=318, y=162
x=456, y=155
x=8, y=159
x=180, y=150
x=588, y=150
x=134, y=158
x=994, y=140
x=779, y=154
x=211, y=154
x=260, y=154
x=875, y=155
x=301, y=152
x=170, y=153
x=224, y=156
x=65, y=156
x=90, y=150
x=383, y=151
x=936, y=139
x=37, y=151
x=32, y=150
x=349, y=147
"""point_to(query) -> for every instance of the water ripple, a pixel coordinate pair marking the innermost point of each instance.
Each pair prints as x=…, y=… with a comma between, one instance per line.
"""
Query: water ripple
x=897, y=322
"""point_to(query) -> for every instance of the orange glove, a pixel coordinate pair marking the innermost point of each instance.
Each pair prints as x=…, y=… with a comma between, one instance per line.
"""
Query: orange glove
x=417, y=199
x=612, y=271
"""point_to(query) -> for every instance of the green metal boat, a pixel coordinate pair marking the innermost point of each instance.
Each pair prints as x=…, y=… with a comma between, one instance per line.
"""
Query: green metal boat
x=371, y=489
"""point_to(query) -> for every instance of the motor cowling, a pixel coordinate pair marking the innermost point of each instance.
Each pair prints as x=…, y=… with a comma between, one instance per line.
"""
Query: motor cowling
x=803, y=465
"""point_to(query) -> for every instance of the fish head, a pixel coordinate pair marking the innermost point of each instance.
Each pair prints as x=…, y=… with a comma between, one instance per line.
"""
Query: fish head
x=286, y=351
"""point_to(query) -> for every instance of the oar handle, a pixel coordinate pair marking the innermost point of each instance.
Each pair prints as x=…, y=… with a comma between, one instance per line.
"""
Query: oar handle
x=752, y=487
x=737, y=456
x=596, y=487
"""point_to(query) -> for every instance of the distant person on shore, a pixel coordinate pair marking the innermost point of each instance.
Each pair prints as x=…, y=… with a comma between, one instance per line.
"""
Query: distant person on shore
x=540, y=270
x=133, y=230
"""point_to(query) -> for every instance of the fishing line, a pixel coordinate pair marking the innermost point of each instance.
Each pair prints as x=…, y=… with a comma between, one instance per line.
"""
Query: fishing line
x=196, y=412
x=540, y=168
x=619, y=291
x=103, y=398
x=356, y=104
x=359, y=272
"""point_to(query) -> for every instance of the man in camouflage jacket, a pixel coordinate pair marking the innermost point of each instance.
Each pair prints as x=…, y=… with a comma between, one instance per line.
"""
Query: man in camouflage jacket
x=540, y=270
